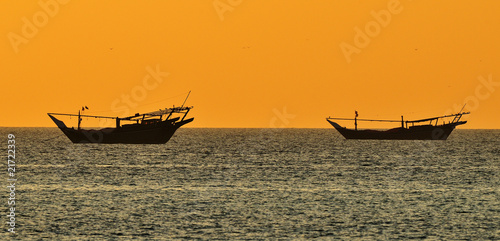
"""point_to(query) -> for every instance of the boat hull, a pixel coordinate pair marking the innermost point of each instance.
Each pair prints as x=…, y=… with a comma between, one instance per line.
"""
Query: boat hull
x=423, y=132
x=158, y=133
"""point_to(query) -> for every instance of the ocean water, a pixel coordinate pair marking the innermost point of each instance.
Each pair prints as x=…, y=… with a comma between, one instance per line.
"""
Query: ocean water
x=255, y=184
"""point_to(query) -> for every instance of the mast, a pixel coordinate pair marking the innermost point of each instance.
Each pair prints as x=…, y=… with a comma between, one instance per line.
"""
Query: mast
x=459, y=113
x=185, y=114
x=186, y=99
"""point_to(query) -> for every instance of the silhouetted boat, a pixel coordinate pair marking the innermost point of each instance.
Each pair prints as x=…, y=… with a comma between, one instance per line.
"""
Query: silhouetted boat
x=424, y=129
x=148, y=128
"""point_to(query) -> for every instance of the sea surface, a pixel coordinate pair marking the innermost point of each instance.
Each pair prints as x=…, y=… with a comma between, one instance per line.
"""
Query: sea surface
x=254, y=184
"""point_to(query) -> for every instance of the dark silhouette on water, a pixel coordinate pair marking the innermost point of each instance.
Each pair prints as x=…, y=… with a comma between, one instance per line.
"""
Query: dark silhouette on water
x=148, y=128
x=424, y=129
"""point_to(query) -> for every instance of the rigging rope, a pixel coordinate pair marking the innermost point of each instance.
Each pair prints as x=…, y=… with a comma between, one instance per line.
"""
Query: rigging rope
x=140, y=105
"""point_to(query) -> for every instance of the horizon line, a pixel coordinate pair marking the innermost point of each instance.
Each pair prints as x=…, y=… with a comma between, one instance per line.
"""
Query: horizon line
x=240, y=127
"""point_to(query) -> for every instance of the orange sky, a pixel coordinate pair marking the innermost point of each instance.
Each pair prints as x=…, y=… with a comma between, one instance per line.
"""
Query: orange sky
x=258, y=63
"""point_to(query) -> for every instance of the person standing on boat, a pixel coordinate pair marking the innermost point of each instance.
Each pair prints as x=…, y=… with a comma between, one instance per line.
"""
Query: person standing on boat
x=356, y=120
